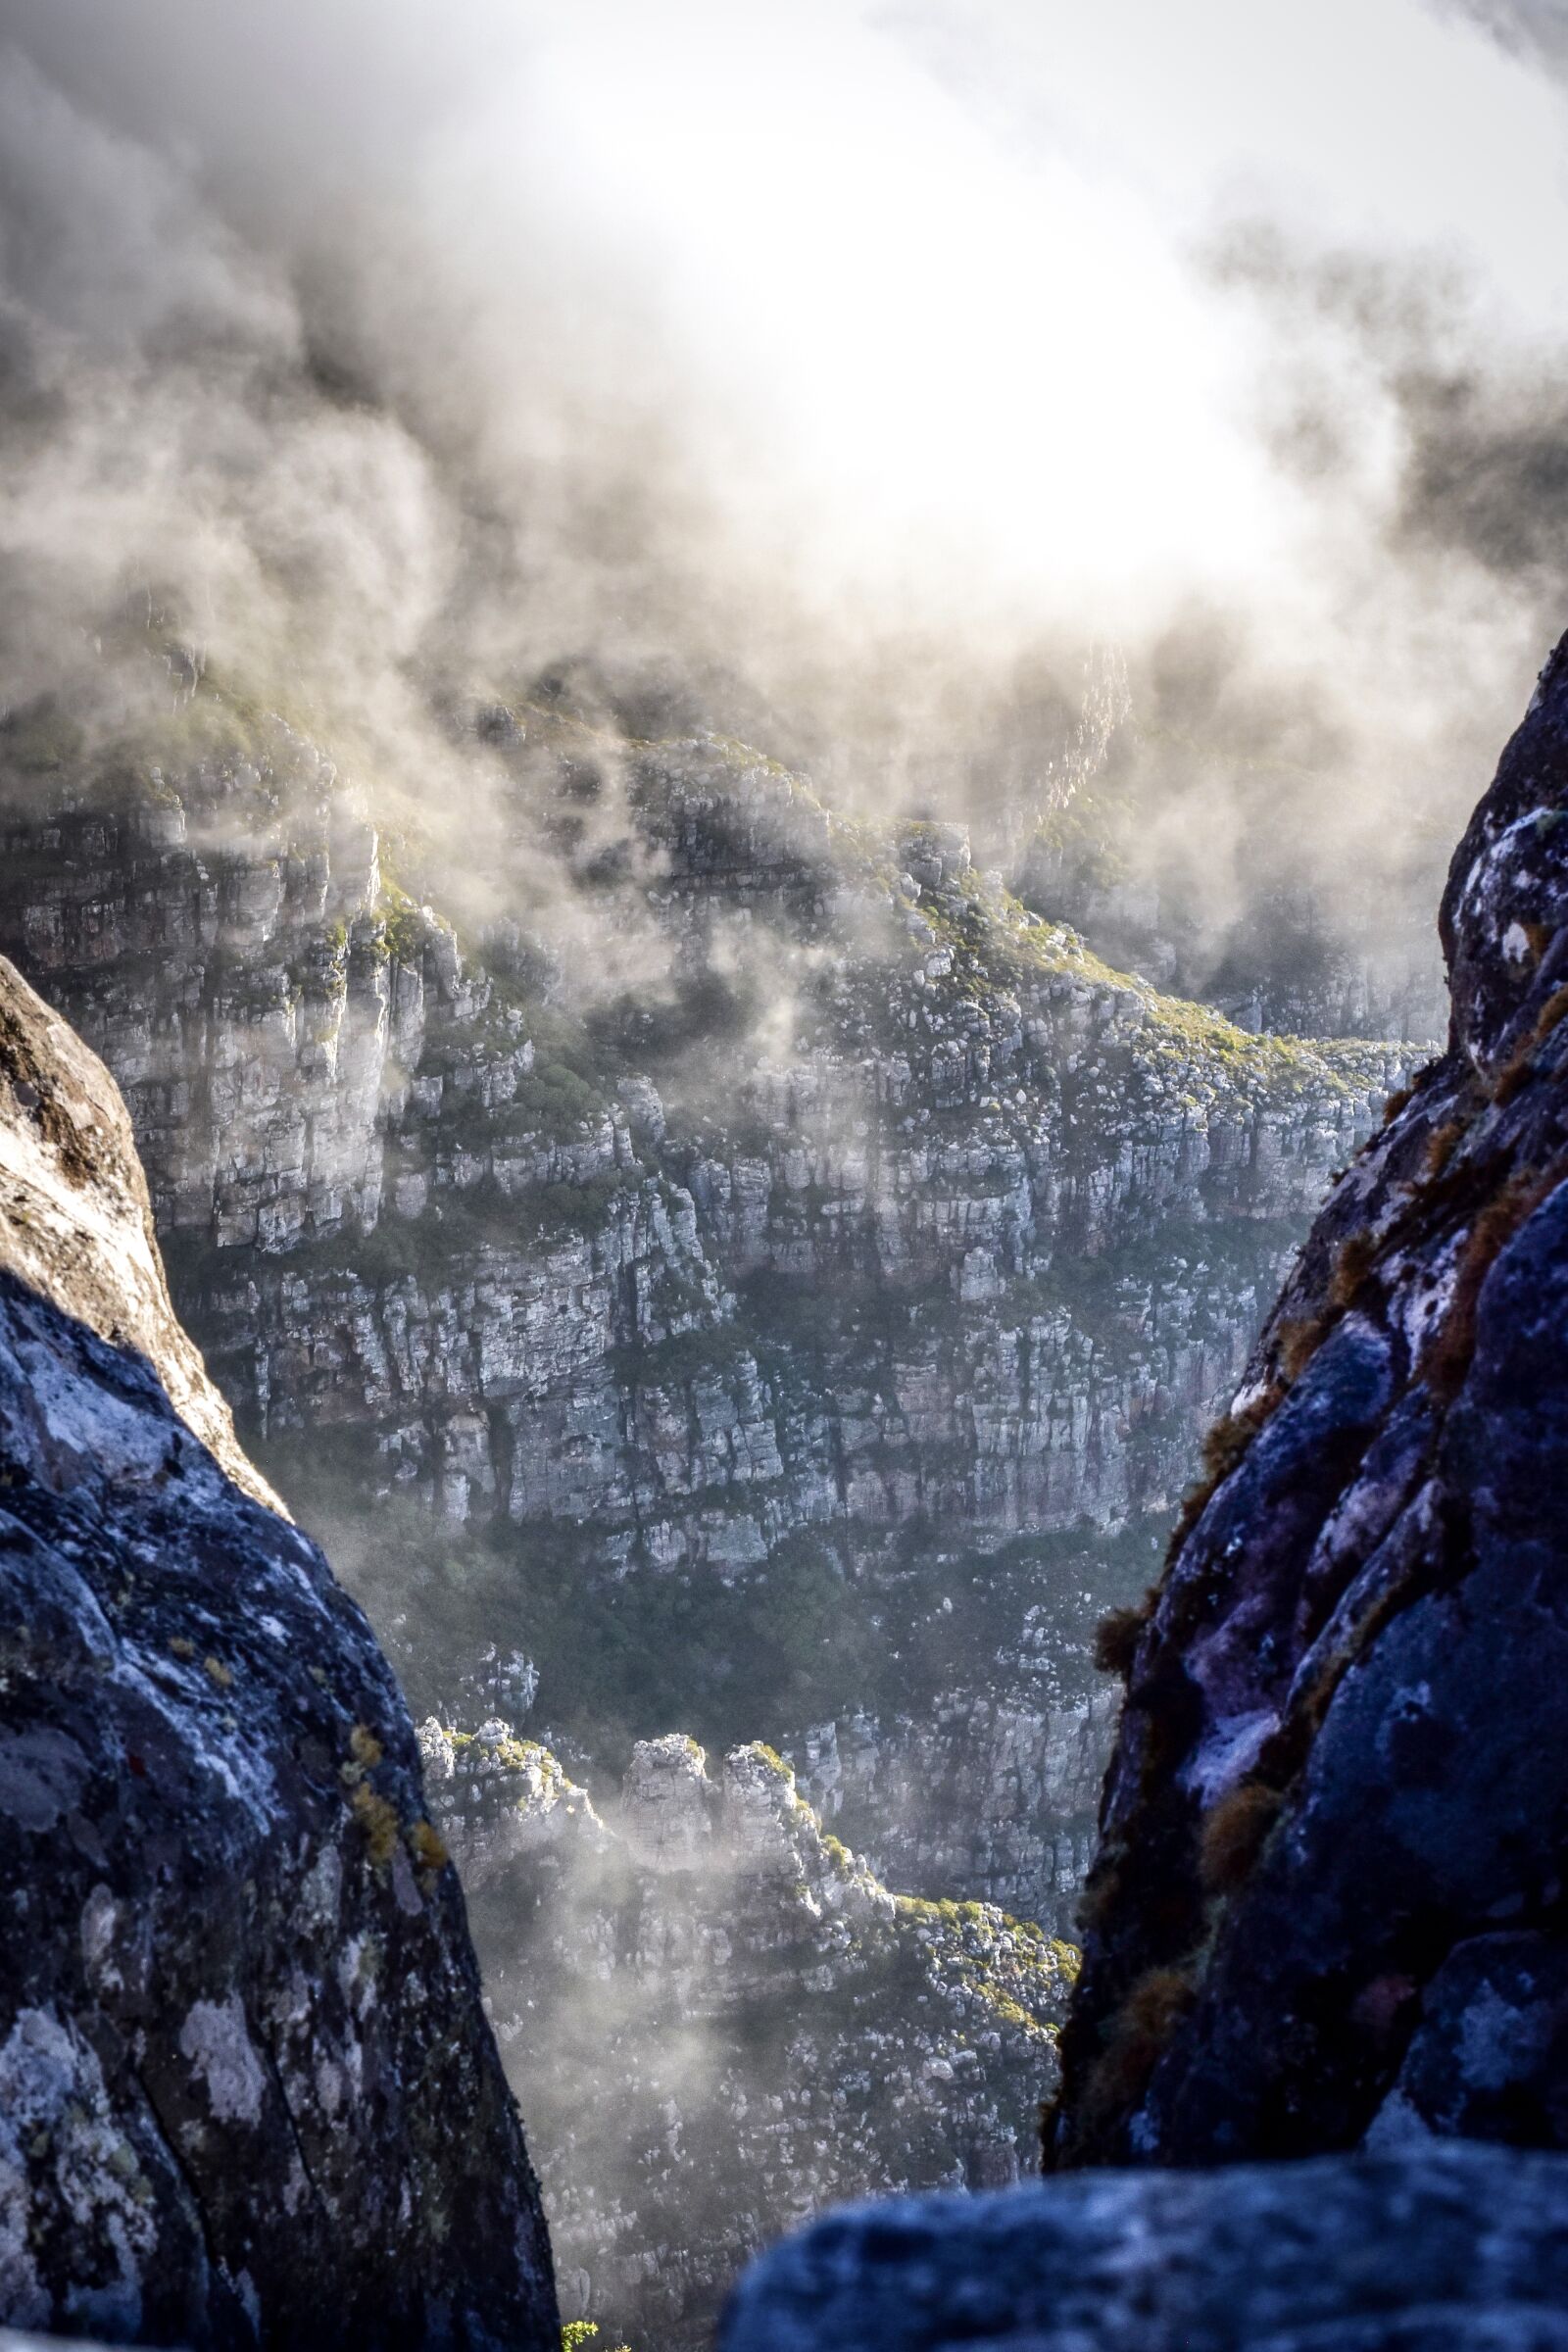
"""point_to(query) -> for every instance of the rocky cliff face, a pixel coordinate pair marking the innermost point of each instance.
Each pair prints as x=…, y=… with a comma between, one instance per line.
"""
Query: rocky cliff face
x=247, y=2093
x=1326, y=1910
x=850, y=1282
x=720, y=2021
x=1328, y=1904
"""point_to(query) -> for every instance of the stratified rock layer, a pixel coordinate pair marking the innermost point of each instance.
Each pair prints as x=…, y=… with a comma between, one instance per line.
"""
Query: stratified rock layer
x=1443, y=2250
x=805, y=1338
x=1328, y=1906
x=247, y=2093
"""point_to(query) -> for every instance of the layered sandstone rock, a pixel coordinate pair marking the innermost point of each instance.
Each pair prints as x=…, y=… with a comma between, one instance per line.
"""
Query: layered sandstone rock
x=854, y=1285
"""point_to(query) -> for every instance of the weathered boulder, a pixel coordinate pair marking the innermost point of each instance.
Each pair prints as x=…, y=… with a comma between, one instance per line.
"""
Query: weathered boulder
x=1328, y=1901
x=247, y=2092
x=1445, y=2249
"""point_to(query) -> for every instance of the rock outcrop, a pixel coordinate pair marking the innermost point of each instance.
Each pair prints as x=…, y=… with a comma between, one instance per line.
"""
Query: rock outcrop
x=1326, y=1919
x=855, y=1281
x=247, y=2091
x=720, y=2021
x=1445, y=2249
x=1328, y=1904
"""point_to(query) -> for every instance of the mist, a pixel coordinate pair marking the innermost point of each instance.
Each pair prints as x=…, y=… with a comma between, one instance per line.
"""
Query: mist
x=870, y=382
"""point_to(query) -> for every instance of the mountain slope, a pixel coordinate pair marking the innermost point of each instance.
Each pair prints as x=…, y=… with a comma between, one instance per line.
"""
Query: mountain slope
x=792, y=1275
x=718, y=2021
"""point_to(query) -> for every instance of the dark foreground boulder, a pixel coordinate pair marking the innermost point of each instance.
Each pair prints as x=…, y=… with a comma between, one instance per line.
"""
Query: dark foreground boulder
x=1454, y=2249
x=247, y=2092
x=1329, y=1904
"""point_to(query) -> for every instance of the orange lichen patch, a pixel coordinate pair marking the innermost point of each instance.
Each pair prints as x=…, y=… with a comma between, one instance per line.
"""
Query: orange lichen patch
x=1135, y=2040
x=1446, y=1358
x=1116, y=1636
x=364, y=1746
x=1514, y=1073
x=1296, y=1341
x=377, y=1819
x=218, y=1674
x=1442, y=1144
x=1356, y=1258
x=1223, y=1447
x=1233, y=1834
x=425, y=1846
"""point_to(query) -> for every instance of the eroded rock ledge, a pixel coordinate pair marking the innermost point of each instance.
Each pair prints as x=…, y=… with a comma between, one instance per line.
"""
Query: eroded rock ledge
x=247, y=2093
x=854, y=1282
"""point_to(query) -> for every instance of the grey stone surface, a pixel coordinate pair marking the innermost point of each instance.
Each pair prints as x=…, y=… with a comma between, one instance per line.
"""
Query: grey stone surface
x=883, y=1237
x=1451, y=2247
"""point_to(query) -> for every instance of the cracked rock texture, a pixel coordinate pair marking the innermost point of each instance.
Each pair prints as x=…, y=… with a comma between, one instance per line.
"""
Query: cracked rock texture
x=1441, y=2249
x=1328, y=1904
x=720, y=2021
x=247, y=2091
x=807, y=1339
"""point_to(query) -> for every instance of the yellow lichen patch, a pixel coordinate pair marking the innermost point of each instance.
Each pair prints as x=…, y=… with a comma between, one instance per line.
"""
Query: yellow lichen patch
x=218, y=1674
x=182, y=1648
x=425, y=1846
x=377, y=1819
x=364, y=1746
x=1447, y=1357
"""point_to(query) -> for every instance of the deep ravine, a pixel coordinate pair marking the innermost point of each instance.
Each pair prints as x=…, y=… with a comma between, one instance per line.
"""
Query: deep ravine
x=804, y=1341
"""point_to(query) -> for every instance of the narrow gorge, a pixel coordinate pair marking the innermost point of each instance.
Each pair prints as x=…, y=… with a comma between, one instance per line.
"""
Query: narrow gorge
x=782, y=1475
x=805, y=1344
